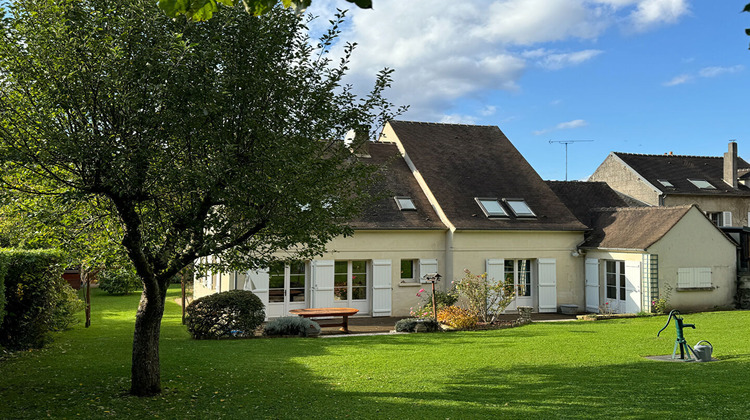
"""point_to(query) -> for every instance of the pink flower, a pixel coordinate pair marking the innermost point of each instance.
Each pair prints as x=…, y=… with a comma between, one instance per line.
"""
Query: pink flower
x=421, y=290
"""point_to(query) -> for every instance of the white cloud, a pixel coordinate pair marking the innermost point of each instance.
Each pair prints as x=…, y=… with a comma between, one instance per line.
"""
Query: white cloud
x=444, y=51
x=718, y=71
x=706, y=72
x=650, y=13
x=568, y=125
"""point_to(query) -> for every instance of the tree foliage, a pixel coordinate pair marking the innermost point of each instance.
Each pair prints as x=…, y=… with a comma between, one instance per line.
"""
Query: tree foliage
x=165, y=141
x=747, y=9
x=200, y=10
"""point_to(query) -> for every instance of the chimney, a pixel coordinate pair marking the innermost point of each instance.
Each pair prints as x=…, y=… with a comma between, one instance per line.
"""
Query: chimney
x=730, y=165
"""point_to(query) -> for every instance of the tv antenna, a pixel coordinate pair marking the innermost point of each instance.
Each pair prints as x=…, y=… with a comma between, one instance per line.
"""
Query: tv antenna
x=566, y=143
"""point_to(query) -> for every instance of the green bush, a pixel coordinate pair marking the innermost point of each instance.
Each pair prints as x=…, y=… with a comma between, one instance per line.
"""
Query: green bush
x=291, y=325
x=231, y=314
x=68, y=304
x=3, y=271
x=417, y=325
x=119, y=281
x=33, y=289
x=458, y=317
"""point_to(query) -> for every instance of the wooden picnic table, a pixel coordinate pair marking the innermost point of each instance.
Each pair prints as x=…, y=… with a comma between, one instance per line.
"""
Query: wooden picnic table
x=325, y=312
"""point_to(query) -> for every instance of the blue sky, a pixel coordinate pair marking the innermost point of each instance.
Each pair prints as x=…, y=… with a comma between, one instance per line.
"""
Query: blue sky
x=636, y=76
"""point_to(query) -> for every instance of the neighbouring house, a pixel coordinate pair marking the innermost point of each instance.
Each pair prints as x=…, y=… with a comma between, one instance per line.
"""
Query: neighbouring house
x=461, y=197
x=635, y=255
x=716, y=184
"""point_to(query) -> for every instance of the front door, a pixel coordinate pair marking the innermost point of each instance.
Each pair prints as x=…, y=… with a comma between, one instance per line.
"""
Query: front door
x=519, y=271
x=287, y=288
x=351, y=285
x=615, y=294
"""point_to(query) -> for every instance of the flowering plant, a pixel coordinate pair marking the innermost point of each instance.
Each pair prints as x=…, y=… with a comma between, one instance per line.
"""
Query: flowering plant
x=424, y=307
x=486, y=298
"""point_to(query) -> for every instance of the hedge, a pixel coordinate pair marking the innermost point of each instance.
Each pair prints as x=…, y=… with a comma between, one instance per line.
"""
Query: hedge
x=34, y=289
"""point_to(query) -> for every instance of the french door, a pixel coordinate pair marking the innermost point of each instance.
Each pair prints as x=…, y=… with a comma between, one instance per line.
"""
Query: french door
x=351, y=285
x=287, y=288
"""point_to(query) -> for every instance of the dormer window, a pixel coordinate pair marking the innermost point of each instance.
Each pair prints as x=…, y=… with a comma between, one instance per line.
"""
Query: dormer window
x=519, y=207
x=491, y=207
x=702, y=184
x=405, y=203
x=666, y=183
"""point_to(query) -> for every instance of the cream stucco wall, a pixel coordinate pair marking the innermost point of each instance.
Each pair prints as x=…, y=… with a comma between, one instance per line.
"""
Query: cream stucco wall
x=695, y=242
x=739, y=206
x=471, y=249
x=622, y=178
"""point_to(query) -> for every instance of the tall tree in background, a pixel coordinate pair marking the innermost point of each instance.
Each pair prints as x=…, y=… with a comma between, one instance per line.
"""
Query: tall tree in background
x=184, y=140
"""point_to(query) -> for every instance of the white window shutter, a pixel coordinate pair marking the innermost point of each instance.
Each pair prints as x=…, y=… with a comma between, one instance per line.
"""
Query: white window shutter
x=592, y=285
x=256, y=281
x=427, y=266
x=321, y=285
x=632, y=286
x=726, y=218
x=547, y=284
x=495, y=269
x=381, y=287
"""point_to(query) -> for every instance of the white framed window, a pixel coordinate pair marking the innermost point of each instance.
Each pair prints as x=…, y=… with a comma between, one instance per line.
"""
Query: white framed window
x=519, y=207
x=409, y=271
x=615, y=278
x=405, y=203
x=665, y=183
x=702, y=184
x=720, y=218
x=350, y=280
x=519, y=272
x=287, y=282
x=694, y=277
x=491, y=207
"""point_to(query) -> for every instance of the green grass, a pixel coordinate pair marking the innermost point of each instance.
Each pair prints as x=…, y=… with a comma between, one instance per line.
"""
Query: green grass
x=543, y=370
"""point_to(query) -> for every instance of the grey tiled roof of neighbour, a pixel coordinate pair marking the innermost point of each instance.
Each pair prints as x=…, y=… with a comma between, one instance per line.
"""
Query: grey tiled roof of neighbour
x=634, y=228
x=582, y=197
x=677, y=169
x=396, y=180
x=460, y=162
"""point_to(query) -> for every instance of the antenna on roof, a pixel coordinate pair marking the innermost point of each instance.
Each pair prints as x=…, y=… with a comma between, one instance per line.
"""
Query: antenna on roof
x=566, y=143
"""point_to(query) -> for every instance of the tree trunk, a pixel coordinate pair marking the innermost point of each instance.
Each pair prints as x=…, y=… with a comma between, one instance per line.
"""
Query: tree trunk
x=145, y=373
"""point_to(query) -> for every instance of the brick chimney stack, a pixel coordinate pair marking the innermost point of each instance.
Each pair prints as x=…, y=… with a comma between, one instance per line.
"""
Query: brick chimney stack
x=730, y=165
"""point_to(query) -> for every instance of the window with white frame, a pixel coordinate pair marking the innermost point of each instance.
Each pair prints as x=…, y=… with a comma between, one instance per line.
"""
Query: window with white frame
x=665, y=183
x=694, y=277
x=405, y=203
x=519, y=272
x=491, y=207
x=720, y=218
x=350, y=280
x=519, y=207
x=615, y=278
x=286, y=282
x=702, y=184
x=409, y=271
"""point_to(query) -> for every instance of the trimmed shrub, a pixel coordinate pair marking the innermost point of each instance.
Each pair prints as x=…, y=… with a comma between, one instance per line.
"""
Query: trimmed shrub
x=231, y=314
x=33, y=288
x=119, y=281
x=417, y=325
x=458, y=317
x=291, y=325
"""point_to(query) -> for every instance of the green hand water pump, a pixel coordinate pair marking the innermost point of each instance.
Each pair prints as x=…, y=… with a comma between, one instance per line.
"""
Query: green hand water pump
x=679, y=325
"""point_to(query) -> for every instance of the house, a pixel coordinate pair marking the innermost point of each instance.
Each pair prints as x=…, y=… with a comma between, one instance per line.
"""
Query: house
x=461, y=197
x=635, y=255
x=716, y=184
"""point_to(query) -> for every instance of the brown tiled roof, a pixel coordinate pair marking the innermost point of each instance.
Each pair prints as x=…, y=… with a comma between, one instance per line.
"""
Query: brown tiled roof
x=581, y=197
x=677, y=169
x=396, y=180
x=461, y=162
x=632, y=228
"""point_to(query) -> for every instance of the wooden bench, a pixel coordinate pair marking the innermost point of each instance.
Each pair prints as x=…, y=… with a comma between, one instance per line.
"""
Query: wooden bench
x=326, y=312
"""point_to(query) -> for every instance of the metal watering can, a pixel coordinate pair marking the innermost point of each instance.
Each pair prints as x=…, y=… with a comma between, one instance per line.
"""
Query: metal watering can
x=703, y=352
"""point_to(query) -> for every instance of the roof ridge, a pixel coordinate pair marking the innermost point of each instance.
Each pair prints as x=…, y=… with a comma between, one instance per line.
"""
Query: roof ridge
x=666, y=155
x=440, y=123
x=646, y=208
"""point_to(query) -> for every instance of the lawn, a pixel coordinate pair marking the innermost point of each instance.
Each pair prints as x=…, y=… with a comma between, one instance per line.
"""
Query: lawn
x=543, y=370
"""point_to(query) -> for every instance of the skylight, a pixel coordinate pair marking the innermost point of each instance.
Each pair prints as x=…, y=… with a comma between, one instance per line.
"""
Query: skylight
x=702, y=184
x=666, y=183
x=519, y=207
x=491, y=207
x=405, y=203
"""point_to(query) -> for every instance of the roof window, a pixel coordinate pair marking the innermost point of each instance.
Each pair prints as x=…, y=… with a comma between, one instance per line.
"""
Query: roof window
x=405, y=203
x=665, y=183
x=491, y=207
x=702, y=184
x=519, y=207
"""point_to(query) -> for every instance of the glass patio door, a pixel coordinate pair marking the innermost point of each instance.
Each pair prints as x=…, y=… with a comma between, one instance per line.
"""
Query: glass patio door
x=615, y=287
x=350, y=285
x=287, y=288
